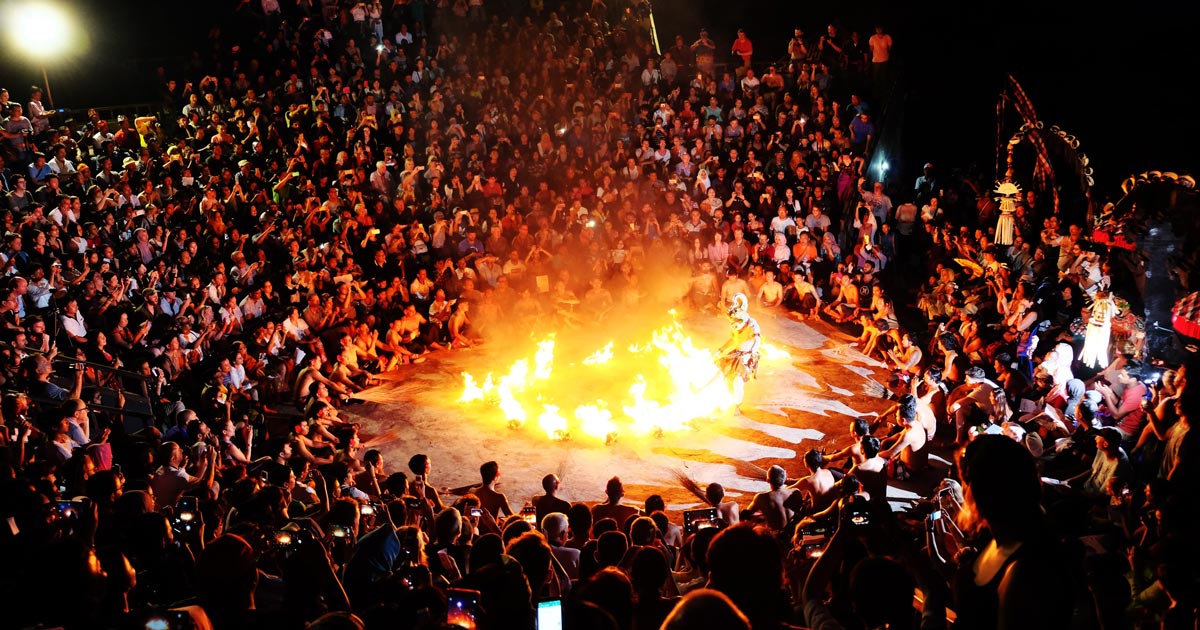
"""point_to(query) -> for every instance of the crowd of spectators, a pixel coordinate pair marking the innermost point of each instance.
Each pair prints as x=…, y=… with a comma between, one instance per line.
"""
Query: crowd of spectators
x=189, y=299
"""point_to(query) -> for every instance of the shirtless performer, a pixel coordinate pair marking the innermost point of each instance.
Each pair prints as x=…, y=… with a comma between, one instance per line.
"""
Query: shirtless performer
x=740, y=355
x=770, y=505
x=910, y=443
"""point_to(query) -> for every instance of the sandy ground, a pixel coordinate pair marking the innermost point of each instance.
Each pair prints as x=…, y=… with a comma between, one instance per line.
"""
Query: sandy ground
x=799, y=402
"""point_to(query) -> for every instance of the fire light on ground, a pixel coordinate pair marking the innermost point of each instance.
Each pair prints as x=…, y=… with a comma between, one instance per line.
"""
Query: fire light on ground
x=650, y=388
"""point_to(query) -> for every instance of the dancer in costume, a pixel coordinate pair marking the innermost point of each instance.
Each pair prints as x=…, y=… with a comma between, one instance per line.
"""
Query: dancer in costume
x=740, y=355
x=1099, y=329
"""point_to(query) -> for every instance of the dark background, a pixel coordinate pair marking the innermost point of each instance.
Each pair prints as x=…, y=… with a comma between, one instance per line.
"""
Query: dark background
x=1122, y=81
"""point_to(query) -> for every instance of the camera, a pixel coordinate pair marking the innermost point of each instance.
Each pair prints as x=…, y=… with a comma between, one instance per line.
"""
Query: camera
x=412, y=503
x=529, y=513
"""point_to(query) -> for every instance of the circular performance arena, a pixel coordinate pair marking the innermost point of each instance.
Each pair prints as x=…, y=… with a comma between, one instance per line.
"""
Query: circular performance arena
x=586, y=406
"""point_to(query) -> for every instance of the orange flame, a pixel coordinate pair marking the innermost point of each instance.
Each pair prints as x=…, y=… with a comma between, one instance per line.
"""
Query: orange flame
x=684, y=383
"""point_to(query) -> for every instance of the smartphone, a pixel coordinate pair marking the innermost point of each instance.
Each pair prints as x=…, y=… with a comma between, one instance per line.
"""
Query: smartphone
x=186, y=504
x=412, y=503
x=696, y=520
x=462, y=607
x=475, y=512
x=67, y=509
x=529, y=513
x=550, y=614
x=169, y=620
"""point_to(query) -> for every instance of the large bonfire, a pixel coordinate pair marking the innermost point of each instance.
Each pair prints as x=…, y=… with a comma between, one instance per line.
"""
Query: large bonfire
x=649, y=388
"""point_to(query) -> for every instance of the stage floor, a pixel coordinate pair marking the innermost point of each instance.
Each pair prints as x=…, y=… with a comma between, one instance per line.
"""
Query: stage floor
x=799, y=402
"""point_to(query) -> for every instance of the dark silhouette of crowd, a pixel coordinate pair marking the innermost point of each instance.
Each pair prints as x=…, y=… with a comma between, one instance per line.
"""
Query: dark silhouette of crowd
x=333, y=191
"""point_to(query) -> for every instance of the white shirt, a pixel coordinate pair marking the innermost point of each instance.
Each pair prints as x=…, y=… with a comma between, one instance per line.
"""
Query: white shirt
x=297, y=329
x=170, y=307
x=37, y=115
x=75, y=326
x=40, y=293
x=61, y=219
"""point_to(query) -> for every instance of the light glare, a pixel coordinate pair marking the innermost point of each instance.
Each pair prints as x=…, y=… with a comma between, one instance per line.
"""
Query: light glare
x=39, y=29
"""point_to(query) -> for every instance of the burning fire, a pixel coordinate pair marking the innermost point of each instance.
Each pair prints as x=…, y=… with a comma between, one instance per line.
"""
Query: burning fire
x=648, y=389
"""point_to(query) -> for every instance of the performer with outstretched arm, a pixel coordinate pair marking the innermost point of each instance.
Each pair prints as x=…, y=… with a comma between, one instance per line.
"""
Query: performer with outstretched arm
x=739, y=356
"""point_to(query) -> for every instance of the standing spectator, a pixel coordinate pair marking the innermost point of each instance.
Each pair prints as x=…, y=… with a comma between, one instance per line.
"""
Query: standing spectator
x=881, y=58
x=743, y=48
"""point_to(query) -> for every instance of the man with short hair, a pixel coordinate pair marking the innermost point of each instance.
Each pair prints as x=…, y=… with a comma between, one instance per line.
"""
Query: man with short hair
x=79, y=425
x=171, y=480
x=421, y=465
x=909, y=444
x=42, y=388
x=554, y=526
x=489, y=498
x=770, y=504
x=1127, y=411
x=612, y=507
x=550, y=502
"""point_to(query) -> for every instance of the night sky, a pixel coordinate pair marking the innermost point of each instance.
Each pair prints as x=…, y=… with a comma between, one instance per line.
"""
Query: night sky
x=1121, y=81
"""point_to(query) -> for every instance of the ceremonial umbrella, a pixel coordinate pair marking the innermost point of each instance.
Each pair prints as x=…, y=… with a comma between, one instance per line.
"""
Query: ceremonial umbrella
x=1185, y=316
x=970, y=265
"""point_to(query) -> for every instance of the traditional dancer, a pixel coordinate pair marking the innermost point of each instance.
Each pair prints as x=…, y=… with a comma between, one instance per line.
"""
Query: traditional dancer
x=740, y=355
x=1099, y=329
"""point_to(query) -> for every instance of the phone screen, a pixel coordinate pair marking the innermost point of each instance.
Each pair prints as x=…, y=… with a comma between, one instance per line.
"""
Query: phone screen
x=550, y=615
x=186, y=504
x=462, y=606
x=530, y=515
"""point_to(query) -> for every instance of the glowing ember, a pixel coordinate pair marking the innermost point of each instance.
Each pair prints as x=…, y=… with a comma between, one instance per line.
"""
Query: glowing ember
x=673, y=383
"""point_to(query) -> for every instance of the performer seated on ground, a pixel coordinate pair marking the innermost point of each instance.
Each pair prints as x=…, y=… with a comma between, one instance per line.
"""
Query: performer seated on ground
x=489, y=498
x=813, y=493
x=703, y=290
x=905, y=359
x=740, y=355
x=872, y=471
x=770, y=294
x=801, y=298
x=909, y=445
x=312, y=372
x=770, y=506
x=462, y=334
x=859, y=427
x=843, y=308
x=726, y=510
